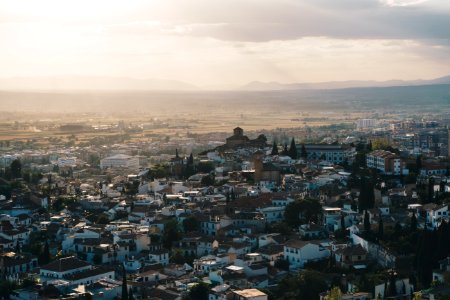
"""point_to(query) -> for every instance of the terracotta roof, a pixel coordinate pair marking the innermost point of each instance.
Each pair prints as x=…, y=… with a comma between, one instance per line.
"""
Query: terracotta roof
x=65, y=264
x=88, y=273
x=353, y=250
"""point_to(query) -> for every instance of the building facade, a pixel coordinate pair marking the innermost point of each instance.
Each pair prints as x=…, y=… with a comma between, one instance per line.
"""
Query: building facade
x=120, y=161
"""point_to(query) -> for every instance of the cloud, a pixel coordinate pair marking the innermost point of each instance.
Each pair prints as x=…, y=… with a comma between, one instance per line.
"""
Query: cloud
x=233, y=41
x=403, y=3
x=262, y=21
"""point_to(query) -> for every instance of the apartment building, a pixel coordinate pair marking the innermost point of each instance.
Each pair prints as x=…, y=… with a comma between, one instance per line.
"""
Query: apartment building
x=386, y=162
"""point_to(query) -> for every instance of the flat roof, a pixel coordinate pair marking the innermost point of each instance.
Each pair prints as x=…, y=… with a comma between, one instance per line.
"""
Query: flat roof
x=250, y=293
x=234, y=268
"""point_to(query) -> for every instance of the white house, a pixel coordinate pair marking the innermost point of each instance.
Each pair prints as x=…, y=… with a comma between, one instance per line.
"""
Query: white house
x=273, y=214
x=63, y=267
x=436, y=215
x=299, y=252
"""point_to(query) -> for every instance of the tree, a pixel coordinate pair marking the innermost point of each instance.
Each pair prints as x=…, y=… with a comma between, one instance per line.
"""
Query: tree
x=285, y=150
x=45, y=257
x=366, y=221
x=97, y=259
x=27, y=177
x=274, y=149
x=418, y=163
x=171, y=233
x=130, y=294
x=369, y=146
x=190, y=224
x=177, y=257
x=392, y=286
x=282, y=264
x=302, y=211
x=208, y=180
x=343, y=224
x=380, y=228
x=200, y=291
x=233, y=195
x=443, y=242
x=413, y=224
x=124, y=284
x=6, y=288
x=293, y=150
x=334, y=294
x=303, y=152
x=16, y=168
x=430, y=194
x=304, y=285
x=190, y=161
x=102, y=219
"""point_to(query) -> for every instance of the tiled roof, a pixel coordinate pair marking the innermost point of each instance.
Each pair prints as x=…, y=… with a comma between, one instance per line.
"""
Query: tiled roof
x=65, y=264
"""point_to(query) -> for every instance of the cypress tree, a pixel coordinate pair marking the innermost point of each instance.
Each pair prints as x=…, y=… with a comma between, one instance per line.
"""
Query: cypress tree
x=124, y=284
x=380, y=228
x=430, y=190
x=16, y=168
x=443, y=242
x=366, y=198
x=190, y=161
x=274, y=149
x=362, y=199
x=130, y=294
x=413, y=226
x=303, y=154
x=424, y=258
x=293, y=150
x=285, y=150
x=45, y=256
x=419, y=163
x=366, y=221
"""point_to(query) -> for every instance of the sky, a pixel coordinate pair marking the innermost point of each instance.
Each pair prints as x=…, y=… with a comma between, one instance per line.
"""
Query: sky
x=217, y=43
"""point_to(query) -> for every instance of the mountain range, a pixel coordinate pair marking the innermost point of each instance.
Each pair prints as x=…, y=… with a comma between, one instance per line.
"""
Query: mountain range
x=132, y=84
x=276, y=86
x=93, y=83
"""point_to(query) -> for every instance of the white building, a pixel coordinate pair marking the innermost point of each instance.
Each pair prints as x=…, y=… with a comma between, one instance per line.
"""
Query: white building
x=63, y=267
x=366, y=123
x=299, y=252
x=273, y=214
x=336, y=154
x=120, y=161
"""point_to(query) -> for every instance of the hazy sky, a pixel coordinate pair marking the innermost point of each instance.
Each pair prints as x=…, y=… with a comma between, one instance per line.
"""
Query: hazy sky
x=227, y=42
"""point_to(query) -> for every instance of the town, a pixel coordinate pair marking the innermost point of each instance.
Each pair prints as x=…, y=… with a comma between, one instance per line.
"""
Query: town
x=356, y=210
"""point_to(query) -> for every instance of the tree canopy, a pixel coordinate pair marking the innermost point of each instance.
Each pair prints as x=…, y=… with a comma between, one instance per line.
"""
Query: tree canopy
x=302, y=211
x=293, y=150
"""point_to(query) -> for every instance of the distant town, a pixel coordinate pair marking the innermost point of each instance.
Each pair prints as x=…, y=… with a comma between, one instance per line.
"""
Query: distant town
x=355, y=210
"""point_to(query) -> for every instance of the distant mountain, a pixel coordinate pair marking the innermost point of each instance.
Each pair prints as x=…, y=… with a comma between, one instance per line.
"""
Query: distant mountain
x=276, y=86
x=92, y=83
